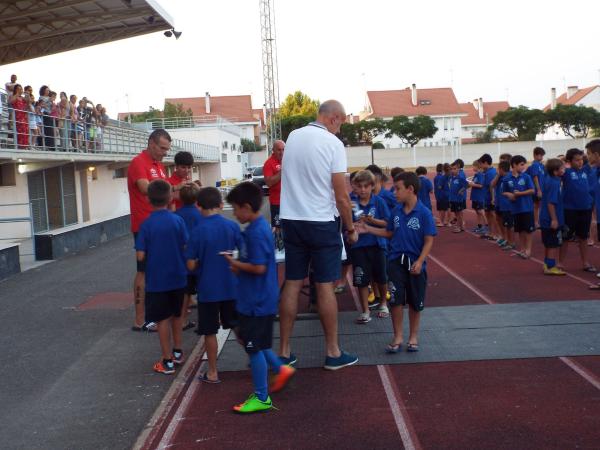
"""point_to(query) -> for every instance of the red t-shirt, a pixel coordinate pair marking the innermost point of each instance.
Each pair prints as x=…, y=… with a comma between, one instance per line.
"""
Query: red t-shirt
x=174, y=180
x=270, y=168
x=141, y=167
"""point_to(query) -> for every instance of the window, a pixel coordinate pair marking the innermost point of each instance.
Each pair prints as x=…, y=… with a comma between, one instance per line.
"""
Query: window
x=233, y=146
x=239, y=158
x=445, y=123
x=7, y=175
x=225, y=144
x=223, y=157
x=120, y=173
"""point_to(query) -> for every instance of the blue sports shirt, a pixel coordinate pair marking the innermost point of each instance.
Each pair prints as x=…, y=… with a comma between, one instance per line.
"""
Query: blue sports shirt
x=440, y=184
x=520, y=183
x=425, y=189
x=489, y=176
x=190, y=215
x=551, y=194
x=478, y=194
x=376, y=208
x=458, y=188
x=576, y=190
x=537, y=169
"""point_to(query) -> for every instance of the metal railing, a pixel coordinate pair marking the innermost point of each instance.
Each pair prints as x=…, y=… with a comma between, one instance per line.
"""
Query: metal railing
x=225, y=123
x=27, y=130
x=20, y=219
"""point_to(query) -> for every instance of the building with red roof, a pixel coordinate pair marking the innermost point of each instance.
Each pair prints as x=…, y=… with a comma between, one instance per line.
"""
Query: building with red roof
x=480, y=115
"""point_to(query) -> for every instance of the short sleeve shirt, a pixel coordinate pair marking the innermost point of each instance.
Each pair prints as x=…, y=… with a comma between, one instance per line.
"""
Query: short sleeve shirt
x=409, y=231
x=520, y=183
x=272, y=167
x=162, y=237
x=376, y=208
x=458, y=189
x=214, y=234
x=190, y=215
x=576, y=190
x=478, y=194
x=502, y=202
x=551, y=194
x=259, y=294
x=389, y=198
x=425, y=188
x=490, y=174
x=440, y=184
x=141, y=167
x=174, y=180
x=536, y=169
x=312, y=155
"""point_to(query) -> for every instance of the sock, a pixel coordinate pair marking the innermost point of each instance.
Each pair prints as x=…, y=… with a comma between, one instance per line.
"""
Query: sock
x=272, y=360
x=177, y=350
x=550, y=263
x=258, y=365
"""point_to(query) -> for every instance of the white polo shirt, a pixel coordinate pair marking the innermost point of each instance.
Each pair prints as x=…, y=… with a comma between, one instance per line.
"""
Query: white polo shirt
x=312, y=154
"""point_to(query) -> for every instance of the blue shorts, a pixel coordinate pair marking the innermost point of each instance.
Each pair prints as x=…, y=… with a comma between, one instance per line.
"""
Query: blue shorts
x=314, y=244
x=476, y=205
x=552, y=238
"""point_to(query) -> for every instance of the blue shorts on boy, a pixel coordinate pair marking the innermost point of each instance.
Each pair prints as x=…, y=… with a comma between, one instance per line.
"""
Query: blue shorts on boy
x=441, y=192
x=577, y=199
x=407, y=241
x=425, y=189
x=522, y=206
x=214, y=234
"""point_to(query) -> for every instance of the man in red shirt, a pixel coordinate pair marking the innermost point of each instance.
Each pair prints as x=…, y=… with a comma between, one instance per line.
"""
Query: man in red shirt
x=272, y=174
x=144, y=168
x=182, y=175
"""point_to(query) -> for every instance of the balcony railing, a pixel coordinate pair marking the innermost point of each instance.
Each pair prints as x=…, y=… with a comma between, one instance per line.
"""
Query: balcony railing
x=55, y=134
x=214, y=121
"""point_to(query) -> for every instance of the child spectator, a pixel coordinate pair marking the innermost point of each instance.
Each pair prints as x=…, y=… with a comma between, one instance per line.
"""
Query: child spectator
x=593, y=153
x=368, y=253
x=552, y=216
x=478, y=197
x=503, y=213
x=440, y=191
x=159, y=250
x=489, y=173
x=411, y=229
x=578, y=207
x=518, y=188
x=426, y=186
x=258, y=302
x=536, y=172
x=216, y=285
x=192, y=217
x=379, y=189
x=184, y=162
x=458, y=194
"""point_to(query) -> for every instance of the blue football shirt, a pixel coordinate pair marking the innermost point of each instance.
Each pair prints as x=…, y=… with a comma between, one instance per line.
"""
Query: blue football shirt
x=551, y=194
x=162, y=236
x=389, y=198
x=440, y=185
x=536, y=169
x=478, y=194
x=425, y=189
x=458, y=188
x=190, y=215
x=503, y=203
x=376, y=208
x=489, y=176
x=576, y=190
x=520, y=183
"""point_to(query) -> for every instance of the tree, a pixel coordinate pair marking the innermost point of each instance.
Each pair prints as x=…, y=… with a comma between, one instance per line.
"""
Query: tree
x=411, y=131
x=171, y=110
x=484, y=137
x=363, y=132
x=298, y=104
x=249, y=146
x=290, y=123
x=521, y=123
x=574, y=120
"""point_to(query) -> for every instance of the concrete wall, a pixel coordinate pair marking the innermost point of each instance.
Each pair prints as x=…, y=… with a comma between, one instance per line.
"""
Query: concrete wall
x=430, y=156
x=108, y=196
x=14, y=194
x=9, y=261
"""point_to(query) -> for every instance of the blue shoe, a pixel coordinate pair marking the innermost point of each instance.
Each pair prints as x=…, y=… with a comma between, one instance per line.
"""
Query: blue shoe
x=344, y=360
x=289, y=361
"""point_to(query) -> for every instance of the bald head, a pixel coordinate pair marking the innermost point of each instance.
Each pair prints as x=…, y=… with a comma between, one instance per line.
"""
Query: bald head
x=332, y=114
x=277, y=149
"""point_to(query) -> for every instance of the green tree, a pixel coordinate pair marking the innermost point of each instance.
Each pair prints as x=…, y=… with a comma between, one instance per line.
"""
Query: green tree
x=299, y=104
x=150, y=114
x=363, y=132
x=171, y=111
x=249, y=146
x=521, y=123
x=411, y=131
x=289, y=124
x=574, y=120
x=176, y=110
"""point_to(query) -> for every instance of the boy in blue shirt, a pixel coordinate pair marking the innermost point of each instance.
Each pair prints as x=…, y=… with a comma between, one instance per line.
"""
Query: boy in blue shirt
x=159, y=251
x=216, y=285
x=478, y=197
x=188, y=195
x=426, y=187
x=504, y=216
x=551, y=215
x=519, y=189
x=593, y=154
x=440, y=185
x=411, y=229
x=368, y=253
x=387, y=196
x=536, y=171
x=489, y=173
x=458, y=196
x=578, y=207
x=258, y=300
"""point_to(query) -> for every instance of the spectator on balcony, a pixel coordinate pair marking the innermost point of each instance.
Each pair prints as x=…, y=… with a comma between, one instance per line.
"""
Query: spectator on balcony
x=20, y=106
x=81, y=121
x=63, y=130
x=54, y=115
x=46, y=110
x=72, y=118
x=32, y=116
x=101, y=122
x=10, y=86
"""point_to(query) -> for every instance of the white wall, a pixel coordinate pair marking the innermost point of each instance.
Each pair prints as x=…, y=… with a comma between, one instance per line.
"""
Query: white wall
x=108, y=196
x=14, y=194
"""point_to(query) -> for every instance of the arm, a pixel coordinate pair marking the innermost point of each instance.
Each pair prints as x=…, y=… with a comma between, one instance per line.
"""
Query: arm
x=254, y=269
x=342, y=202
x=553, y=217
x=373, y=221
x=381, y=232
x=418, y=264
x=192, y=264
x=475, y=185
x=523, y=193
x=536, y=181
x=142, y=185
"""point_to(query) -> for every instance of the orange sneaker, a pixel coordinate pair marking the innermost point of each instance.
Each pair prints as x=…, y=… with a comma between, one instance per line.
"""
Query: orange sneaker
x=282, y=378
x=165, y=366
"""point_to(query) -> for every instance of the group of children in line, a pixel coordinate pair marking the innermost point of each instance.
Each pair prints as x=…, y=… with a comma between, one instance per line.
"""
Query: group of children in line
x=515, y=199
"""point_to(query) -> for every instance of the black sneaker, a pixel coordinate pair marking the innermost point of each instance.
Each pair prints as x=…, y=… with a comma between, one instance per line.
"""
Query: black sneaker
x=288, y=361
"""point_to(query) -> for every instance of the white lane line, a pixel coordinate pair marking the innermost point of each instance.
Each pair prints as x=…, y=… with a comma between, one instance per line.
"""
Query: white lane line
x=587, y=375
x=189, y=395
x=354, y=293
x=469, y=286
x=409, y=440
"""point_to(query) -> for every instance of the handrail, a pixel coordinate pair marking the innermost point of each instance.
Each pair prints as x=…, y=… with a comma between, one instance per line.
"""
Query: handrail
x=18, y=220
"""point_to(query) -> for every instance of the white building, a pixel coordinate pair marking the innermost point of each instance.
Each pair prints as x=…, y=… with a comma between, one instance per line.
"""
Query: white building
x=439, y=103
x=589, y=96
x=480, y=115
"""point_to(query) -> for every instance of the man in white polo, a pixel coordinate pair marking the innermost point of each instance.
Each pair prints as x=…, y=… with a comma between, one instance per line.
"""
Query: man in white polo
x=313, y=198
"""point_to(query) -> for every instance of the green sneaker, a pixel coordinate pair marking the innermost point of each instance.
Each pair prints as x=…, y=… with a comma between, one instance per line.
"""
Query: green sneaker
x=253, y=404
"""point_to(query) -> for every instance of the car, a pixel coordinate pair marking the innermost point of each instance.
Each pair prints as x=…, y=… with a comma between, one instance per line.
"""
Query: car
x=255, y=174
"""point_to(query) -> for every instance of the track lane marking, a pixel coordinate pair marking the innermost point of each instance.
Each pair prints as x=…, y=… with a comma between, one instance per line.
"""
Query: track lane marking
x=399, y=412
x=585, y=373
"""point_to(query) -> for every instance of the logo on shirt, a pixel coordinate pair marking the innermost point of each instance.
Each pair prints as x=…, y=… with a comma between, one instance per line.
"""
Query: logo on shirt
x=584, y=176
x=153, y=172
x=574, y=176
x=510, y=183
x=396, y=222
x=371, y=212
x=521, y=182
x=413, y=223
x=278, y=167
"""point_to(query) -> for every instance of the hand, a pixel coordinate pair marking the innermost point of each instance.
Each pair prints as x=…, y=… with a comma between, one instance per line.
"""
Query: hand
x=554, y=224
x=360, y=227
x=539, y=195
x=416, y=268
x=511, y=196
x=352, y=237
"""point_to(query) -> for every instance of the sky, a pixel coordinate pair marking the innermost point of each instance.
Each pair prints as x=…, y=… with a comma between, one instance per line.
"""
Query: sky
x=510, y=50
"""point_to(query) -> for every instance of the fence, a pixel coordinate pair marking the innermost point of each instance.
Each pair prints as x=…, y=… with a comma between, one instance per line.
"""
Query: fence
x=18, y=219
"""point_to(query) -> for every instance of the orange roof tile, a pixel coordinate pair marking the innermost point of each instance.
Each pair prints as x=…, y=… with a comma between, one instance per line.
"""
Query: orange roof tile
x=563, y=100
x=235, y=108
x=430, y=102
x=489, y=108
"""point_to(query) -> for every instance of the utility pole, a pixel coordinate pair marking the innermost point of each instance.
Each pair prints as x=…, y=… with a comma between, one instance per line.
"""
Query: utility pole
x=270, y=71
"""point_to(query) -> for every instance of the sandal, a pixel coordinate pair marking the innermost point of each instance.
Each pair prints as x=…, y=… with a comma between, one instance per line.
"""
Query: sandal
x=590, y=268
x=383, y=312
x=191, y=324
x=412, y=348
x=393, y=348
x=594, y=287
x=204, y=378
x=458, y=230
x=362, y=319
x=150, y=327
